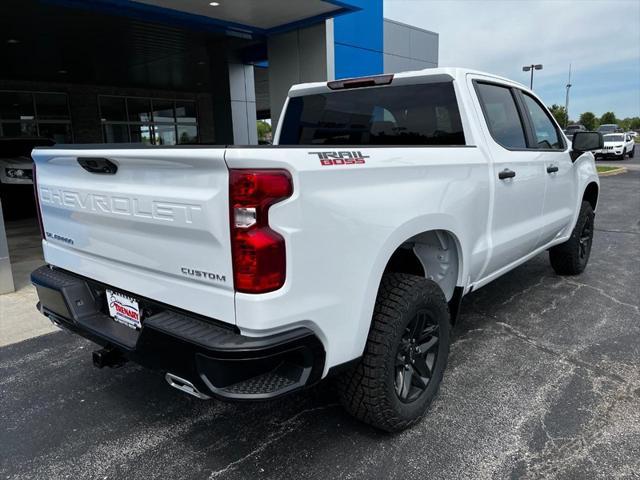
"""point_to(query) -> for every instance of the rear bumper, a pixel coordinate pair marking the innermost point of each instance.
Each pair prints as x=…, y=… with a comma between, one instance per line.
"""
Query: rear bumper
x=215, y=358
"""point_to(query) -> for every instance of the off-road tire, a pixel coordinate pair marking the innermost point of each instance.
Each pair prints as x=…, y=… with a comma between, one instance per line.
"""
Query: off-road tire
x=368, y=389
x=568, y=257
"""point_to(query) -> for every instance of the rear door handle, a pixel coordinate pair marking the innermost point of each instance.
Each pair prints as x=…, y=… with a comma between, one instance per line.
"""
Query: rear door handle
x=552, y=169
x=506, y=173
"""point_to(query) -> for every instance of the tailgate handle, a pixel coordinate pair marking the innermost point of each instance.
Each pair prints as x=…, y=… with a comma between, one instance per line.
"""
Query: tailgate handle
x=98, y=165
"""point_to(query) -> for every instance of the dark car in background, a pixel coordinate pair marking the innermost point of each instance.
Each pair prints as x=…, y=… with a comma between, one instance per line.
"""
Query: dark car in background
x=16, y=174
x=609, y=128
x=571, y=129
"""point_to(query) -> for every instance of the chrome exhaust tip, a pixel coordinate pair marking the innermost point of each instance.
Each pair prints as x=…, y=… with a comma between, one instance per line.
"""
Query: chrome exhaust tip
x=184, y=386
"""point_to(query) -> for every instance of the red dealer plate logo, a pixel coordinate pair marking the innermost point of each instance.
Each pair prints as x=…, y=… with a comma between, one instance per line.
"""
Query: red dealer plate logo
x=124, y=309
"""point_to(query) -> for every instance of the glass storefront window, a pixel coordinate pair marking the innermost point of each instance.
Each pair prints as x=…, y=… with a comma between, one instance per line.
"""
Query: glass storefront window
x=52, y=106
x=35, y=114
x=113, y=109
x=163, y=111
x=16, y=106
x=148, y=120
x=116, y=133
x=165, y=134
x=185, y=111
x=58, y=132
x=139, y=109
x=187, y=134
x=18, y=129
x=141, y=134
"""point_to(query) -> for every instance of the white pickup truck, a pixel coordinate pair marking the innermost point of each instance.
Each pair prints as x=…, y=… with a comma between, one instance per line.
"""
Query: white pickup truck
x=247, y=273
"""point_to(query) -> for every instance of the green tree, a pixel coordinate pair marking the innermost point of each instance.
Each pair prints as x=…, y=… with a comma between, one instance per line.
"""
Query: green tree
x=608, y=117
x=589, y=120
x=264, y=131
x=635, y=123
x=625, y=124
x=559, y=113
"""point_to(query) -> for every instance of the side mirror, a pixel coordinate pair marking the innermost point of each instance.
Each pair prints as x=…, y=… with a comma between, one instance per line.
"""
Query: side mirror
x=585, y=142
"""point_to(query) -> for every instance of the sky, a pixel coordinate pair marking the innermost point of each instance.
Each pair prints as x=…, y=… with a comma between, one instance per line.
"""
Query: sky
x=600, y=38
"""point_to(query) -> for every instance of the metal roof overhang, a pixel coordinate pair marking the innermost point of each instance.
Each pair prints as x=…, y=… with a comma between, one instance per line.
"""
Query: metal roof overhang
x=251, y=18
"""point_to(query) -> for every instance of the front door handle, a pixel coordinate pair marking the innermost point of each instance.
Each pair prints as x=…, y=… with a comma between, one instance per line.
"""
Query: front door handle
x=552, y=169
x=506, y=173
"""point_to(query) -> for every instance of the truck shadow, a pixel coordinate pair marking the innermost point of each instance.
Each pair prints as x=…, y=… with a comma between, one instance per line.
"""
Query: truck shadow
x=81, y=412
x=266, y=420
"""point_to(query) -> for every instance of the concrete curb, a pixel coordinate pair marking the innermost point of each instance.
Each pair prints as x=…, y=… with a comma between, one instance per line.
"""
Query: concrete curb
x=617, y=171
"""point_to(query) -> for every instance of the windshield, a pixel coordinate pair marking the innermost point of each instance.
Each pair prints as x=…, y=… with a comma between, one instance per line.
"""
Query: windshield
x=574, y=127
x=613, y=138
x=404, y=115
x=607, y=128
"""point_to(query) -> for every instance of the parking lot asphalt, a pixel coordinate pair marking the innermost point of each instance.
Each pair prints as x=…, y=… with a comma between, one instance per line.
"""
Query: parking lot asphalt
x=543, y=382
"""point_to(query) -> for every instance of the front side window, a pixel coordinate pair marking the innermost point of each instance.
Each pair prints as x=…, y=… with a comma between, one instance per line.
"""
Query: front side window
x=391, y=115
x=501, y=115
x=543, y=127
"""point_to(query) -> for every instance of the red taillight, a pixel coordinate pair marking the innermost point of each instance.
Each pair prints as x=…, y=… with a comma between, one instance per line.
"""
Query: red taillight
x=37, y=198
x=259, y=256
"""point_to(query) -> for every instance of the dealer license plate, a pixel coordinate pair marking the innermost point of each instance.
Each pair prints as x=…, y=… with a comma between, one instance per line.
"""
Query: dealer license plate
x=124, y=309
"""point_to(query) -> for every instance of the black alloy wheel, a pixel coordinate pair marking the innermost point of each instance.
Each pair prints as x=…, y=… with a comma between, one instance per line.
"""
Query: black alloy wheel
x=586, y=239
x=416, y=357
x=572, y=256
x=401, y=368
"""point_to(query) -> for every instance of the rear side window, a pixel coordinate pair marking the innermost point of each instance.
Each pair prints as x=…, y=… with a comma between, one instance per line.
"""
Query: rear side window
x=403, y=115
x=544, y=129
x=502, y=116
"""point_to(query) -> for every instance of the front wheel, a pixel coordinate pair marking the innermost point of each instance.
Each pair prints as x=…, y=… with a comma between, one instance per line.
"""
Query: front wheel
x=572, y=256
x=404, y=359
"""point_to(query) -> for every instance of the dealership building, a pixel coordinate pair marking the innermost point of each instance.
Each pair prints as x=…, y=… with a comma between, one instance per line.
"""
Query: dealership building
x=167, y=72
x=172, y=71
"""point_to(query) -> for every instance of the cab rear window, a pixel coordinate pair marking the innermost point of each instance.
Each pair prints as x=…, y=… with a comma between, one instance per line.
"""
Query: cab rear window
x=390, y=115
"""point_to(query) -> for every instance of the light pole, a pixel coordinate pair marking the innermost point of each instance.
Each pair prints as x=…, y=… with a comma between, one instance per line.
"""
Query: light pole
x=566, y=100
x=531, y=67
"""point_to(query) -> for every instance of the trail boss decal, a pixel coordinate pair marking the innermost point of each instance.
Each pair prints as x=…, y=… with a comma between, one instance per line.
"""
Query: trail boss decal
x=340, y=158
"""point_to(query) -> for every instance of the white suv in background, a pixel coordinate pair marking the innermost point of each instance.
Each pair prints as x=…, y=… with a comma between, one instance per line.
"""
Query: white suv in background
x=616, y=145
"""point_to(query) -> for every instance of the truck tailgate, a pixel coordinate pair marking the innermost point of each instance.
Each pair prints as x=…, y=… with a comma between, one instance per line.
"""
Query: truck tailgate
x=158, y=227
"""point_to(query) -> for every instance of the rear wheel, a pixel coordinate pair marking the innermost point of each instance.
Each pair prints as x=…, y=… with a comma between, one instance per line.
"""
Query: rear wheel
x=633, y=149
x=405, y=356
x=572, y=256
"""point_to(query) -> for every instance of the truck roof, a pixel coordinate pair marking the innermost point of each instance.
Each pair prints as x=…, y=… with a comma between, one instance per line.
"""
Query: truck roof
x=426, y=75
